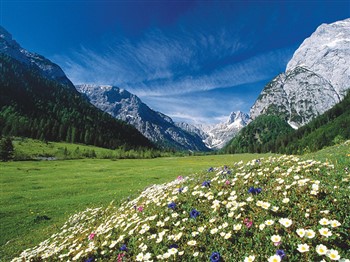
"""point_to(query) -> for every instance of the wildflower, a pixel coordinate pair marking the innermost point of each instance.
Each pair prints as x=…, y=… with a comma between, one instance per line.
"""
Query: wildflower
x=303, y=248
x=227, y=182
x=301, y=232
x=194, y=213
x=140, y=208
x=123, y=248
x=275, y=238
x=192, y=242
x=254, y=191
x=139, y=257
x=215, y=257
x=269, y=222
x=334, y=223
x=211, y=169
x=333, y=254
x=120, y=257
x=249, y=259
x=91, y=236
x=90, y=259
x=172, y=205
x=173, y=246
x=248, y=223
x=325, y=232
x=285, y=200
x=206, y=183
x=285, y=222
x=213, y=231
x=321, y=249
x=262, y=226
x=195, y=254
x=237, y=227
x=274, y=258
x=172, y=251
x=280, y=253
x=324, y=222
x=180, y=178
x=310, y=233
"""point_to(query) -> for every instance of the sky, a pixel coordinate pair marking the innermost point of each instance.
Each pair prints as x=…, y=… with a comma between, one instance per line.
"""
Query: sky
x=195, y=61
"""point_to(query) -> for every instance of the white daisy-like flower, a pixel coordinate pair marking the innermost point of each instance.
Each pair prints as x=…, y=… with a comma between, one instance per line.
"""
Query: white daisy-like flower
x=302, y=248
x=262, y=226
x=275, y=238
x=172, y=251
x=301, y=232
x=333, y=254
x=249, y=259
x=192, y=242
x=321, y=249
x=227, y=235
x=139, y=257
x=274, y=258
x=324, y=222
x=214, y=231
x=286, y=222
x=269, y=222
x=310, y=233
x=237, y=227
x=325, y=232
x=334, y=223
x=195, y=254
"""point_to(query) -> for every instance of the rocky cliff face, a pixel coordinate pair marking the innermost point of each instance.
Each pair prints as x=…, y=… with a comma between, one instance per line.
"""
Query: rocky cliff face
x=31, y=60
x=154, y=125
x=316, y=78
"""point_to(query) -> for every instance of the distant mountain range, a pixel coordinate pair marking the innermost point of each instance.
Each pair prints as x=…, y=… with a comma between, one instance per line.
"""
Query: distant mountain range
x=317, y=77
x=156, y=126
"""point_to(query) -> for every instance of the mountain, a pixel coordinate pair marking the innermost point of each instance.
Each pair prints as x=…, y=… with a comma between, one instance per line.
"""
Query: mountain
x=217, y=136
x=156, y=126
x=269, y=133
x=37, y=100
x=316, y=78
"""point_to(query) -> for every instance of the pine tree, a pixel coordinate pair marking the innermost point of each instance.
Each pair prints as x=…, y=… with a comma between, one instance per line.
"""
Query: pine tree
x=6, y=149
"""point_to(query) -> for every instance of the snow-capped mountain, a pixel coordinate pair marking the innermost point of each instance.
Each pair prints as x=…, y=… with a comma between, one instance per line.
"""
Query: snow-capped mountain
x=11, y=48
x=216, y=136
x=219, y=135
x=154, y=125
x=316, y=78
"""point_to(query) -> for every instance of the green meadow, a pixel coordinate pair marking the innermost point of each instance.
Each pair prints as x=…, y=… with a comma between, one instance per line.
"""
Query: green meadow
x=38, y=196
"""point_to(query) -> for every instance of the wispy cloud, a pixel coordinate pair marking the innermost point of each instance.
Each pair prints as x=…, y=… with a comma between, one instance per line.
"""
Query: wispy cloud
x=160, y=67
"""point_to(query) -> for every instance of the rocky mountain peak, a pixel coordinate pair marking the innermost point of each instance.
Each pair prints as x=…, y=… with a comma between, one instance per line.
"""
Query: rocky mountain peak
x=316, y=78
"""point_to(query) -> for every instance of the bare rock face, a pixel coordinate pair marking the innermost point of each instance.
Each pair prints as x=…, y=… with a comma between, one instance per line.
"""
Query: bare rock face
x=317, y=77
x=154, y=125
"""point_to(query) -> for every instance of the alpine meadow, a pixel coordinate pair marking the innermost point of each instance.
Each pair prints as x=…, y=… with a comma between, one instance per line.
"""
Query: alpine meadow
x=175, y=131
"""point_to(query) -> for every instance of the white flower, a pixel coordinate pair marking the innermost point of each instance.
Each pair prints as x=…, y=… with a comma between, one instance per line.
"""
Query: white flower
x=286, y=222
x=334, y=223
x=147, y=256
x=227, y=235
x=213, y=231
x=301, y=232
x=321, y=249
x=139, y=257
x=310, y=233
x=274, y=258
x=192, y=242
x=172, y=251
x=249, y=259
x=324, y=222
x=201, y=229
x=262, y=226
x=237, y=227
x=269, y=222
x=303, y=248
x=196, y=254
x=325, y=232
x=333, y=254
x=275, y=238
x=285, y=200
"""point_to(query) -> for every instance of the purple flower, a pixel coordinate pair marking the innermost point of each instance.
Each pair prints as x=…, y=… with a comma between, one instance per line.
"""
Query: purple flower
x=280, y=253
x=215, y=257
x=123, y=248
x=254, y=191
x=210, y=169
x=194, y=213
x=206, y=183
x=180, y=189
x=173, y=246
x=172, y=205
x=90, y=259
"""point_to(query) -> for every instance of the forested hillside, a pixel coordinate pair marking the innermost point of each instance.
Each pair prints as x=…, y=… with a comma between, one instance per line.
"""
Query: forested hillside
x=37, y=107
x=271, y=134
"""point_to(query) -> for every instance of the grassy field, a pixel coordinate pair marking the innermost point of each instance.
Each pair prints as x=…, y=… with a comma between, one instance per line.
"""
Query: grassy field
x=38, y=196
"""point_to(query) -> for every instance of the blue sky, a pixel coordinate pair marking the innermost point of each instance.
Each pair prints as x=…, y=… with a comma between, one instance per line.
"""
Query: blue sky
x=195, y=61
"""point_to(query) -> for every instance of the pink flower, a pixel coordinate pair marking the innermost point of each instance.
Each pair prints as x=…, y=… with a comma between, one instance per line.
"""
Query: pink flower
x=91, y=236
x=120, y=257
x=140, y=208
x=180, y=178
x=277, y=243
x=227, y=182
x=248, y=223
